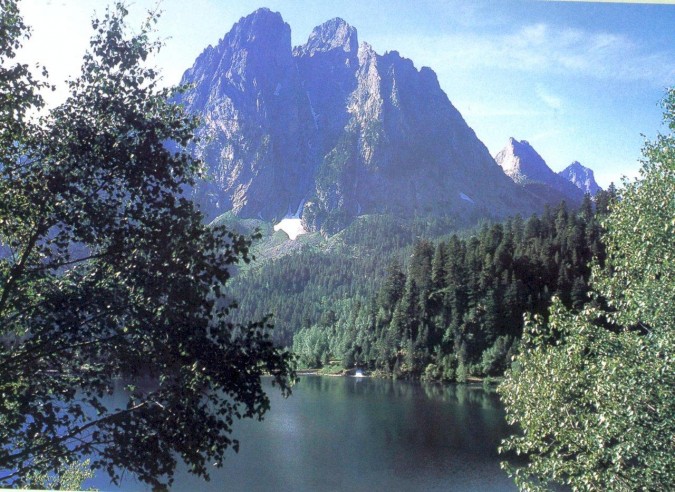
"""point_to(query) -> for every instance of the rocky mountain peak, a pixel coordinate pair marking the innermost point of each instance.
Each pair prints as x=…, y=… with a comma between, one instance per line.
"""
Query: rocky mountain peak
x=259, y=40
x=263, y=18
x=522, y=163
x=526, y=167
x=334, y=130
x=257, y=121
x=582, y=177
x=261, y=28
x=335, y=34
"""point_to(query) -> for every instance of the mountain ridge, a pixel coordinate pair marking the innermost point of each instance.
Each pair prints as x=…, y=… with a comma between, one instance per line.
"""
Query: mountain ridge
x=523, y=164
x=336, y=128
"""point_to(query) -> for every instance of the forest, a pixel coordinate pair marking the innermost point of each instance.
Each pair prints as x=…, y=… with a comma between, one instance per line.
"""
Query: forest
x=424, y=306
x=456, y=309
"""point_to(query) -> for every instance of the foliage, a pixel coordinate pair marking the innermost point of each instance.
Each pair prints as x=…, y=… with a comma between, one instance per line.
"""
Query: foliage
x=71, y=477
x=455, y=309
x=19, y=89
x=106, y=271
x=639, y=286
x=593, y=391
x=323, y=275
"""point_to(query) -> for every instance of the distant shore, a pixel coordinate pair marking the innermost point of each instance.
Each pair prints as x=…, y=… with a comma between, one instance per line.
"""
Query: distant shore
x=342, y=372
x=377, y=374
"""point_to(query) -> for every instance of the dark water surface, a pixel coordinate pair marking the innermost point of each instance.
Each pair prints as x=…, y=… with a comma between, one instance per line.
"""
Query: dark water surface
x=362, y=434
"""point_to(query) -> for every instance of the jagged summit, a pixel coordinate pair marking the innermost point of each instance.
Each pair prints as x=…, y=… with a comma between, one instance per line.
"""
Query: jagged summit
x=336, y=129
x=522, y=163
x=260, y=26
x=526, y=167
x=582, y=177
x=331, y=35
x=260, y=17
x=256, y=120
x=255, y=40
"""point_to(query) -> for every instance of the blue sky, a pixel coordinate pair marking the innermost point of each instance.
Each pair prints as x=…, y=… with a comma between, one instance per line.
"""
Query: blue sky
x=578, y=80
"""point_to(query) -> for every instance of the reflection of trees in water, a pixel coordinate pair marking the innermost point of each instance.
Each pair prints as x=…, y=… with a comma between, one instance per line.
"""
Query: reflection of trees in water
x=405, y=427
x=427, y=416
x=463, y=394
x=458, y=394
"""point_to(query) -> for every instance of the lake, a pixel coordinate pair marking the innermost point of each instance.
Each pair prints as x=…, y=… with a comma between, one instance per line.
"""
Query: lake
x=352, y=434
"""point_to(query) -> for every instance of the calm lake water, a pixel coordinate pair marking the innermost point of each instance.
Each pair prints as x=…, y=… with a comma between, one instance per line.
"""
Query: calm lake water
x=354, y=434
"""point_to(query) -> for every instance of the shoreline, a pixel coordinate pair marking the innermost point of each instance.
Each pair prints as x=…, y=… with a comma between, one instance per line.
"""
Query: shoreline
x=351, y=373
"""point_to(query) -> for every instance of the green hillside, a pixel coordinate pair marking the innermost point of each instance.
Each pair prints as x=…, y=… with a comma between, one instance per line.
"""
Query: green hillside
x=418, y=298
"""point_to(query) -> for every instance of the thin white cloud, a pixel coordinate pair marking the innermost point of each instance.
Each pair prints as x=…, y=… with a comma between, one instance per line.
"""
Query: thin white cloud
x=543, y=48
x=549, y=99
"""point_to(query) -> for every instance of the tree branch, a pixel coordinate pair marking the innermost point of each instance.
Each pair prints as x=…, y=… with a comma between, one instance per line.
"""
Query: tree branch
x=29, y=451
x=18, y=268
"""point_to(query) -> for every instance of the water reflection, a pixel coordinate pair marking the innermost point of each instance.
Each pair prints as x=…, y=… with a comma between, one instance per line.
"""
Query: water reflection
x=366, y=434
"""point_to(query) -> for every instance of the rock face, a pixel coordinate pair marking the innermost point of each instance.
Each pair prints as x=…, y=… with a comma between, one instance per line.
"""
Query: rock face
x=256, y=129
x=527, y=168
x=336, y=129
x=582, y=177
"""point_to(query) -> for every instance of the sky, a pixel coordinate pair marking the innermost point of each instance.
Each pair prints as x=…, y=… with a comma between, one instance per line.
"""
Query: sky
x=581, y=81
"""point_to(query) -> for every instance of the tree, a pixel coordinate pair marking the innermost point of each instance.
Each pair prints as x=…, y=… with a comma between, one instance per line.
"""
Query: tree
x=71, y=477
x=107, y=271
x=593, y=391
x=392, y=289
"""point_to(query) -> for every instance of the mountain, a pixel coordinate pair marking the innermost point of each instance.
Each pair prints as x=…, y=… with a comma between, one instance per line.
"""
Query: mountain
x=257, y=124
x=527, y=168
x=582, y=177
x=332, y=130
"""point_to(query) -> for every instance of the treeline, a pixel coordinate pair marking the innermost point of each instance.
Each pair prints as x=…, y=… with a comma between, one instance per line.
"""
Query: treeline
x=455, y=308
